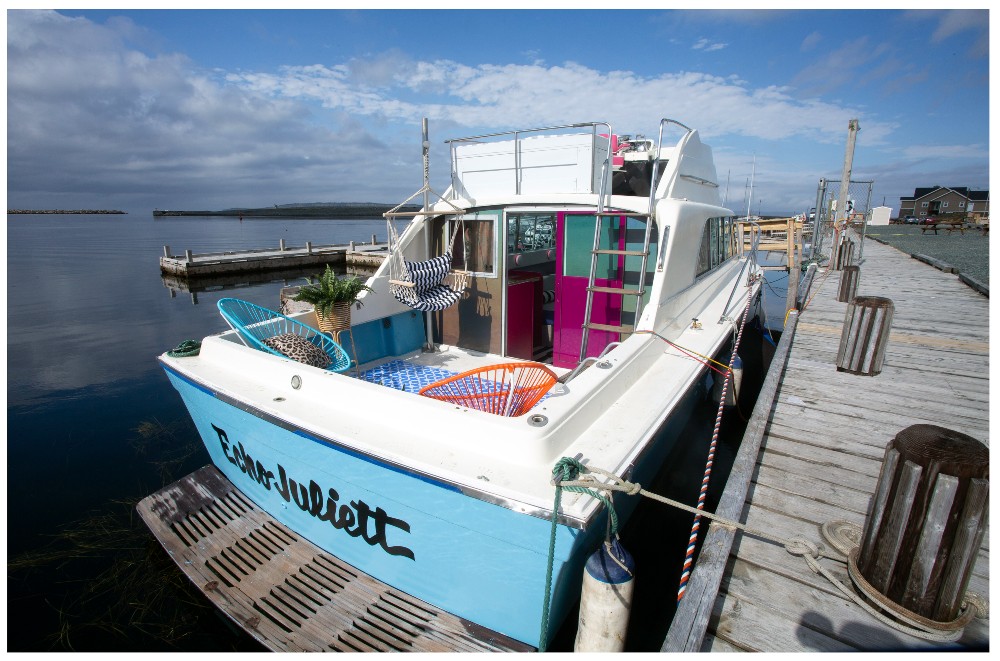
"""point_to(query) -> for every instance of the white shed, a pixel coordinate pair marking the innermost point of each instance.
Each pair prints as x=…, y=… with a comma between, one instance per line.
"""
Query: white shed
x=880, y=216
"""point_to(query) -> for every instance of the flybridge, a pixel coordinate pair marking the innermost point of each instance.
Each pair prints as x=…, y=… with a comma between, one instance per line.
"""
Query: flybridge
x=529, y=162
x=584, y=158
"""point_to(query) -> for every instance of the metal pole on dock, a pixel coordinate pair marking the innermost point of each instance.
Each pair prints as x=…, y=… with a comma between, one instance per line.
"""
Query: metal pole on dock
x=794, y=270
x=818, y=219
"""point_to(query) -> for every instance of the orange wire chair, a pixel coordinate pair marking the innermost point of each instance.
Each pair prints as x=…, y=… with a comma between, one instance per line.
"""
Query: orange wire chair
x=508, y=389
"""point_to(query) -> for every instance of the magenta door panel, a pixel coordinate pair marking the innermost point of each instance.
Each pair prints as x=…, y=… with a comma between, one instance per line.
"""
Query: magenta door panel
x=574, y=242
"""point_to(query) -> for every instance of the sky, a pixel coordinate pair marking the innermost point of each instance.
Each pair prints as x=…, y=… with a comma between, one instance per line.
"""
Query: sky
x=213, y=109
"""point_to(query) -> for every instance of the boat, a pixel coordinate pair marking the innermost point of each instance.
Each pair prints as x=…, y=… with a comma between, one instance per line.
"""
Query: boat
x=621, y=298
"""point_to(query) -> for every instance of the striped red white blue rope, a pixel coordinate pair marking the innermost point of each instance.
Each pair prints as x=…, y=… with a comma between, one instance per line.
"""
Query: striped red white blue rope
x=703, y=493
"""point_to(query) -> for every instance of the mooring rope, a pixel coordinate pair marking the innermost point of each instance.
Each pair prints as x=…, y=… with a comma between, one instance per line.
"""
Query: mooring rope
x=185, y=349
x=564, y=473
x=919, y=628
x=703, y=493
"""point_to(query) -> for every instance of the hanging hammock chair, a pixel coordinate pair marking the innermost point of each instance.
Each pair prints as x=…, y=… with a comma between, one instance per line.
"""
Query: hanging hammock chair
x=427, y=286
x=430, y=285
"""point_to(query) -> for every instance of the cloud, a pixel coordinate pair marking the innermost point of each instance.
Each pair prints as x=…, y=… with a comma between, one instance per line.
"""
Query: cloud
x=91, y=119
x=810, y=42
x=493, y=95
x=707, y=46
x=955, y=22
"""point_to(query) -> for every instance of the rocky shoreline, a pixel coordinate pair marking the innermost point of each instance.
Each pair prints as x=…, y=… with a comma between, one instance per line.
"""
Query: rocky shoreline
x=322, y=210
x=65, y=211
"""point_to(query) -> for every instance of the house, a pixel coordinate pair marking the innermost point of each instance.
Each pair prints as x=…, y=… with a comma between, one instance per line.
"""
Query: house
x=938, y=200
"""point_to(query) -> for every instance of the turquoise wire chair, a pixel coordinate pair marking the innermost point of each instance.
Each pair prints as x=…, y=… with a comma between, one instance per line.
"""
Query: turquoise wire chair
x=256, y=324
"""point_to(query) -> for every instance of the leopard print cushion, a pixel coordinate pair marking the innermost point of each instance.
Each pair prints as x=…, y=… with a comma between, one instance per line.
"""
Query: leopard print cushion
x=300, y=349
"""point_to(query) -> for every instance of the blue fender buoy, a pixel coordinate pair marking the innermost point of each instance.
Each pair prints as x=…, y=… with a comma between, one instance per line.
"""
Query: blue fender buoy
x=605, y=599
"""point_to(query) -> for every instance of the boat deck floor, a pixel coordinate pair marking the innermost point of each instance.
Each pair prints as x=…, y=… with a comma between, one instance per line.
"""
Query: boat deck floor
x=287, y=593
x=416, y=370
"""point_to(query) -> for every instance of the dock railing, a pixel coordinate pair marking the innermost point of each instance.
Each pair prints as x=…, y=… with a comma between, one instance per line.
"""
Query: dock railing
x=687, y=631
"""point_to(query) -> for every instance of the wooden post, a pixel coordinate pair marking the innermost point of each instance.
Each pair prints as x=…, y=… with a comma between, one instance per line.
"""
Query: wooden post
x=281, y=245
x=849, y=278
x=373, y=240
x=309, y=247
x=188, y=256
x=166, y=251
x=926, y=520
x=352, y=246
x=865, y=335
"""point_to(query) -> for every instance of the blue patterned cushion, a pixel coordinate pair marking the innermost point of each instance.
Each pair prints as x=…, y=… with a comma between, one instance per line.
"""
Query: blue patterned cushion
x=402, y=375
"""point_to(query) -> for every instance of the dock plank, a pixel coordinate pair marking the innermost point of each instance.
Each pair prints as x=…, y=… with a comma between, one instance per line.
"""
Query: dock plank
x=824, y=438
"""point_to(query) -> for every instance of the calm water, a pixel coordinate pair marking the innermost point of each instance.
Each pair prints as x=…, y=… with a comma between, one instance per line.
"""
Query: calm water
x=92, y=423
x=94, y=426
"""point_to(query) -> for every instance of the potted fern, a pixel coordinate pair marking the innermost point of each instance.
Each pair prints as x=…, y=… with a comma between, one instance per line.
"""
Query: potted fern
x=333, y=297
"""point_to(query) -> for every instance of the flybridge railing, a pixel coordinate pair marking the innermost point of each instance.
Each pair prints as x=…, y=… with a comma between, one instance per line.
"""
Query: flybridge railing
x=517, y=136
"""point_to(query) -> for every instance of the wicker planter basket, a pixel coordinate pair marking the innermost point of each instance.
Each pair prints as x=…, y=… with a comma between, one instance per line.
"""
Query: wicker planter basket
x=339, y=318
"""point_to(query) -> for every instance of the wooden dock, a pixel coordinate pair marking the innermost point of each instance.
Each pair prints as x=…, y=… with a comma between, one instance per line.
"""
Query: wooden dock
x=813, y=453
x=286, y=592
x=774, y=235
x=191, y=265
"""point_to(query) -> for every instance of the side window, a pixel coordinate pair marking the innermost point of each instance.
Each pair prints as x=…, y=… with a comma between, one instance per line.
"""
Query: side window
x=475, y=245
x=718, y=243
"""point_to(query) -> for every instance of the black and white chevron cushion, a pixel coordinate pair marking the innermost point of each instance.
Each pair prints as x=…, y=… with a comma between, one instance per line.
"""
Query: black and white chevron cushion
x=429, y=274
x=436, y=298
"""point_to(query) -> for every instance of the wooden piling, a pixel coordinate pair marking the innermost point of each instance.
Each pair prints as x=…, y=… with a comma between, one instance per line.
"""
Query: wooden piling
x=849, y=278
x=926, y=520
x=865, y=335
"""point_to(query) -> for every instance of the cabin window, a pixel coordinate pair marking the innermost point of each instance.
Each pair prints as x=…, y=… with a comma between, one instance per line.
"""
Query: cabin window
x=718, y=243
x=579, y=231
x=530, y=231
x=475, y=245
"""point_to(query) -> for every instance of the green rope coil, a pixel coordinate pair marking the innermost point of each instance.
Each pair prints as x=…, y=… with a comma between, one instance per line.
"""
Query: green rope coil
x=185, y=349
x=567, y=469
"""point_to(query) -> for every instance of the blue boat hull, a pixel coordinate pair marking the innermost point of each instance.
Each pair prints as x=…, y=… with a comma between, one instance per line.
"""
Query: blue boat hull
x=477, y=560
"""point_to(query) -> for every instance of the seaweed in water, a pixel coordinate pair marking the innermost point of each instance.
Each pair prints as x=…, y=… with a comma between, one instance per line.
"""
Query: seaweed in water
x=133, y=592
